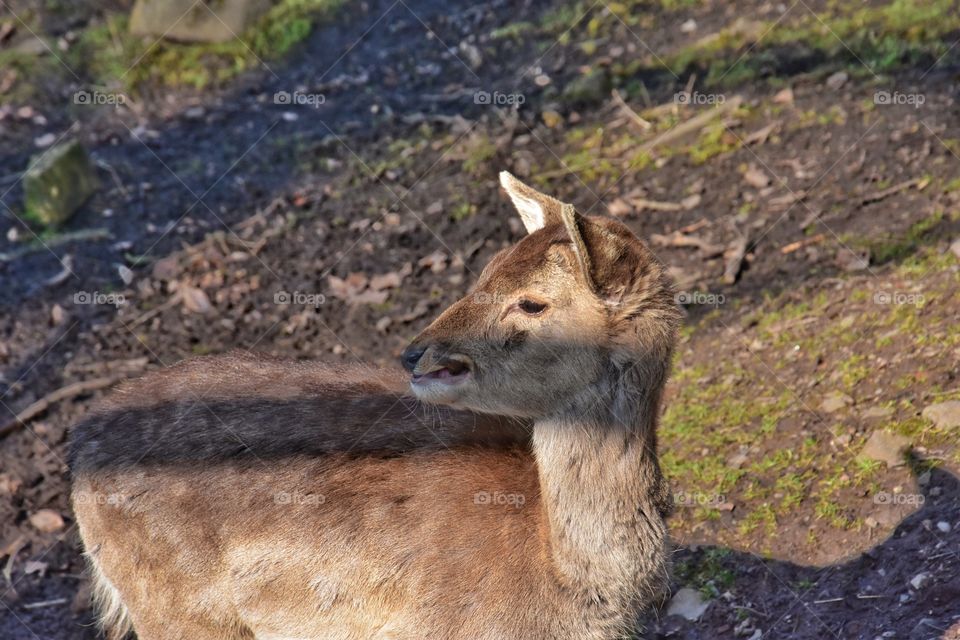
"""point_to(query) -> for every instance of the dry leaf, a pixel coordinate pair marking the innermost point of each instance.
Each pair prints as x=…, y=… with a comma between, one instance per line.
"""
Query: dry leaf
x=47, y=521
x=756, y=177
x=389, y=280
x=620, y=208
x=194, y=299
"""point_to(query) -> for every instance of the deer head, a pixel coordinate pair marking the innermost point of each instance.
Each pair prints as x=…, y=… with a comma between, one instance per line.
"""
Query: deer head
x=577, y=301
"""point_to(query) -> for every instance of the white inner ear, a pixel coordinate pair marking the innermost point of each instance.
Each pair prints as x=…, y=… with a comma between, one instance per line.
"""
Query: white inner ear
x=530, y=212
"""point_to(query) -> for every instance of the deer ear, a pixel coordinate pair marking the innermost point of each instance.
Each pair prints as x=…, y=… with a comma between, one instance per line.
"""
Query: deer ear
x=571, y=222
x=536, y=209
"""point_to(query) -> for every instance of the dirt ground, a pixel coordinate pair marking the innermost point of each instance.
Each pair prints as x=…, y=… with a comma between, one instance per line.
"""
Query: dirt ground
x=810, y=222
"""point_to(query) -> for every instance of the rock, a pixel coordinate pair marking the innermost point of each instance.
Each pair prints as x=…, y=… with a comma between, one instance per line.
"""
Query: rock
x=886, y=447
x=943, y=527
x=44, y=141
x=920, y=580
x=834, y=401
x=57, y=182
x=876, y=413
x=687, y=603
x=46, y=521
x=192, y=21
x=689, y=26
x=853, y=260
x=945, y=415
x=837, y=80
x=955, y=248
x=472, y=54
x=589, y=88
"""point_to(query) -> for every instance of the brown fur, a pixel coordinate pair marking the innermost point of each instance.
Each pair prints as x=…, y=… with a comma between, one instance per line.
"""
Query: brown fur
x=238, y=497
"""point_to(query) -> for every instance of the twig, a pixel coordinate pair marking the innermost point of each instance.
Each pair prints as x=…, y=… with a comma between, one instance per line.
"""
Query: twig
x=734, y=259
x=828, y=601
x=676, y=239
x=800, y=244
x=45, y=603
x=71, y=390
x=640, y=204
x=174, y=300
x=629, y=112
x=877, y=196
x=63, y=238
x=693, y=124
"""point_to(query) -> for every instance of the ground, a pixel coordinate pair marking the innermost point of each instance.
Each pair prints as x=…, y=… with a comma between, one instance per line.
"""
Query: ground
x=816, y=140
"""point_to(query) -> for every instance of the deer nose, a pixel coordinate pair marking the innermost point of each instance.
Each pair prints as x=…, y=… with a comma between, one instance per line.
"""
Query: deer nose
x=411, y=356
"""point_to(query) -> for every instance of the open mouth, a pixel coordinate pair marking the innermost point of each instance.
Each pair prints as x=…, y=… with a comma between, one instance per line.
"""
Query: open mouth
x=448, y=371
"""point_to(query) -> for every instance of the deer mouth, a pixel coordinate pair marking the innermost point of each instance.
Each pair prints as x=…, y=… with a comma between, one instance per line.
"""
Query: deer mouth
x=451, y=370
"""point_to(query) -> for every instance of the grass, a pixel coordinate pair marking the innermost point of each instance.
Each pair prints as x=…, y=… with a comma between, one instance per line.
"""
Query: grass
x=109, y=55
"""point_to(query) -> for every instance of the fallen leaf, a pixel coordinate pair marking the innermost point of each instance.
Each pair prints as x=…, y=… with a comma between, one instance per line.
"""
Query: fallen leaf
x=756, y=177
x=389, y=280
x=194, y=299
x=46, y=521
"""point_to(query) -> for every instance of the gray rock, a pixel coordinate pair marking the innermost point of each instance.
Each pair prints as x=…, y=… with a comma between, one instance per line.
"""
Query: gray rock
x=590, y=88
x=837, y=80
x=945, y=415
x=886, y=447
x=943, y=527
x=834, y=401
x=192, y=21
x=57, y=183
x=920, y=580
x=687, y=603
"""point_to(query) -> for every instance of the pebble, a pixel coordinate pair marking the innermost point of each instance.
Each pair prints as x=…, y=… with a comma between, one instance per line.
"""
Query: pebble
x=920, y=580
x=687, y=603
x=886, y=447
x=943, y=527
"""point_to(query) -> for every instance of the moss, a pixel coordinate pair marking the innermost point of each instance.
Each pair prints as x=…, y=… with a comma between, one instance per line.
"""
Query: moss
x=109, y=54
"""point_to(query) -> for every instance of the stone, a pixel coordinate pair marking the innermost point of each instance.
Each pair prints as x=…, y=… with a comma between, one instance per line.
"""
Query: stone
x=57, y=183
x=920, y=580
x=191, y=21
x=955, y=248
x=876, y=413
x=589, y=88
x=945, y=415
x=886, y=447
x=687, y=603
x=943, y=527
x=834, y=401
x=837, y=80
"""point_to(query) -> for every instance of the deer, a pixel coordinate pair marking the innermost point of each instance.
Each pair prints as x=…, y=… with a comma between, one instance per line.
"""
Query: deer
x=503, y=483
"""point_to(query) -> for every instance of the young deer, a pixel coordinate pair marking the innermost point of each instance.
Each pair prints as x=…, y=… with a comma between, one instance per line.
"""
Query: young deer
x=241, y=497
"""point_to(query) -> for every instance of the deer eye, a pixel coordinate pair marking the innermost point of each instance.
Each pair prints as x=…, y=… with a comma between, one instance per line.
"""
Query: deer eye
x=531, y=307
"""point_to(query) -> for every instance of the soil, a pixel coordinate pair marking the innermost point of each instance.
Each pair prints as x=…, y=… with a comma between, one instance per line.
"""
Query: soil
x=252, y=225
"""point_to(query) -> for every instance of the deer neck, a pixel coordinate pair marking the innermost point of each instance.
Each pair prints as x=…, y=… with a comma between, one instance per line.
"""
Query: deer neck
x=603, y=495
